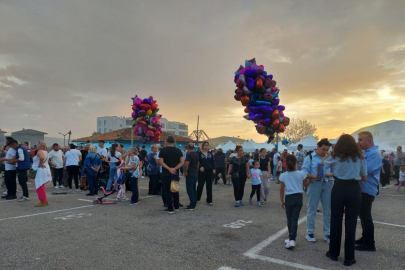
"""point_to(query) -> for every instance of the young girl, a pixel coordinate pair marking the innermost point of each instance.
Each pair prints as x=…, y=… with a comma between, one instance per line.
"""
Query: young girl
x=255, y=173
x=292, y=183
x=121, y=193
x=279, y=169
x=401, y=177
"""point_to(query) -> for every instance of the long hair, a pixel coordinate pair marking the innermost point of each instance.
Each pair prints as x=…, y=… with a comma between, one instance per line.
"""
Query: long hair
x=113, y=149
x=346, y=147
x=291, y=161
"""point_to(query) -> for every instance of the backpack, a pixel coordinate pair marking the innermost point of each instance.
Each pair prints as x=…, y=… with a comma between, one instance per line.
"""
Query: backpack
x=151, y=168
x=122, y=178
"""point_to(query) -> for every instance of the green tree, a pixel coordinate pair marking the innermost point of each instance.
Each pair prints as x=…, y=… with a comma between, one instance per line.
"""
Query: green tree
x=297, y=130
x=95, y=133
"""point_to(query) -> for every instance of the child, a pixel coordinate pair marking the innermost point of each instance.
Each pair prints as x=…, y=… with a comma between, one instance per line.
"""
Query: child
x=292, y=183
x=121, y=193
x=279, y=169
x=255, y=174
x=401, y=177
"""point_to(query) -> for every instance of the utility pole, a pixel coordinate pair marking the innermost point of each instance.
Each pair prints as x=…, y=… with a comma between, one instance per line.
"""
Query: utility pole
x=198, y=121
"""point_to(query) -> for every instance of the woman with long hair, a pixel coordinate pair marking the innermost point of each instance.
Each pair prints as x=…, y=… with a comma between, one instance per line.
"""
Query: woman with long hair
x=43, y=175
x=240, y=170
x=131, y=167
x=205, y=172
x=115, y=159
x=349, y=168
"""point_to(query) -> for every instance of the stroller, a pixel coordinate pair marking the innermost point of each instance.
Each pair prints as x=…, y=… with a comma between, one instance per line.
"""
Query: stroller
x=120, y=180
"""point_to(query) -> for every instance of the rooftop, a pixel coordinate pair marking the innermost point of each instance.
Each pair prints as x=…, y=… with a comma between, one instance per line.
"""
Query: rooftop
x=29, y=131
x=125, y=135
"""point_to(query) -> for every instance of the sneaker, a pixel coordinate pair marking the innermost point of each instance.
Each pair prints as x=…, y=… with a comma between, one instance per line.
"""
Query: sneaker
x=23, y=199
x=330, y=256
x=359, y=241
x=209, y=203
x=259, y=204
x=142, y=176
x=327, y=239
x=168, y=211
x=237, y=204
x=118, y=199
x=286, y=241
x=61, y=186
x=310, y=238
x=180, y=205
x=250, y=201
x=189, y=208
x=5, y=196
x=133, y=203
x=70, y=191
x=384, y=187
x=241, y=203
x=11, y=198
x=55, y=187
x=123, y=200
x=77, y=190
x=41, y=204
x=5, y=192
x=176, y=209
x=349, y=262
x=290, y=244
x=365, y=247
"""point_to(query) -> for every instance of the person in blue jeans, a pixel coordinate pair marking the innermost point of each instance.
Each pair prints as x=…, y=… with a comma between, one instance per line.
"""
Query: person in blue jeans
x=114, y=156
x=92, y=163
x=132, y=167
x=320, y=189
x=191, y=174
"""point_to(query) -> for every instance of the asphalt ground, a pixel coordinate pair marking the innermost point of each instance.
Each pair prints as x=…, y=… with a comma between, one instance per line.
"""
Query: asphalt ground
x=73, y=233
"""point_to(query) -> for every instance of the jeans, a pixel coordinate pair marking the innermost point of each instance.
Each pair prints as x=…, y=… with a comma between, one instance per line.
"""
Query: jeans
x=134, y=188
x=293, y=205
x=57, y=176
x=265, y=186
x=274, y=169
x=191, y=181
x=319, y=190
x=171, y=198
x=22, y=180
x=10, y=178
x=366, y=219
x=73, y=172
x=220, y=170
x=345, y=197
x=238, y=186
x=205, y=178
x=113, y=175
x=92, y=180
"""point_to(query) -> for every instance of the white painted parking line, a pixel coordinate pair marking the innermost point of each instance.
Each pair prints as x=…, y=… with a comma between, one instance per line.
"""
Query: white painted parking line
x=253, y=253
x=227, y=268
x=44, y=213
x=8, y=201
x=389, y=224
x=84, y=200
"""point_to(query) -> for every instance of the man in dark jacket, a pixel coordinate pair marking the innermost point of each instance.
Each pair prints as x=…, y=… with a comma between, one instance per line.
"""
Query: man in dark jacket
x=220, y=166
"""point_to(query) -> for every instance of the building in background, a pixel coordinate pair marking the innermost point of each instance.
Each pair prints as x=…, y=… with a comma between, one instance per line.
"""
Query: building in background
x=390, y=132
x=28, y=135
x=2, y=137
x=111, y=123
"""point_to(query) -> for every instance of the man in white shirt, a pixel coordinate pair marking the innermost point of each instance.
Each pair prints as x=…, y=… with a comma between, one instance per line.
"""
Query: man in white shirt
x=101, y=150
x=10, y=174
x=300, y=156
x=56, y=163
x=276, y=155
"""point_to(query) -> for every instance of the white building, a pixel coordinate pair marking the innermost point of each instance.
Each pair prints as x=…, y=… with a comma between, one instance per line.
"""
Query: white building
x=110, y=123
x=391, y=132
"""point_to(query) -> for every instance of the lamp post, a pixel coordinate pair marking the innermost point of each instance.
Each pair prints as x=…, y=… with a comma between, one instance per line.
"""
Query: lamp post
x=64, y=136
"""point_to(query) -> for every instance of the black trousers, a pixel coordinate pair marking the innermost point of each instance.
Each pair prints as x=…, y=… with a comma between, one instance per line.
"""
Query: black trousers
x=154, y=184
x=170, y=197
x=73, y=173
x=222, y=171
x=238, y=186
x=10, y=177
x=366, y=219
x=293, y=205
x=384, y=178
x=256, y=189
x=22, y=180
x=57, y=176
x=345, y=197
x=205, y=178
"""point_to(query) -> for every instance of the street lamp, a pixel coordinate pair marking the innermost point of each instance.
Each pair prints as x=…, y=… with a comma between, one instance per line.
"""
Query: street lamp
x=64, y=135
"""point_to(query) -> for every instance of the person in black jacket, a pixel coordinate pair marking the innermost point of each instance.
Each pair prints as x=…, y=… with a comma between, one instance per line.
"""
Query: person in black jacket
x=220, y=166
x=205, y=172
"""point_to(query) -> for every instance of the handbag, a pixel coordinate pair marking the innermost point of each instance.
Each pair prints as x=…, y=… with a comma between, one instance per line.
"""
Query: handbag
x=174, y=185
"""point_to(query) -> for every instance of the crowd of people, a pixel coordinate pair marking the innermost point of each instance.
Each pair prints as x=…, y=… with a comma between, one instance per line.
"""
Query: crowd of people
x=343, y=177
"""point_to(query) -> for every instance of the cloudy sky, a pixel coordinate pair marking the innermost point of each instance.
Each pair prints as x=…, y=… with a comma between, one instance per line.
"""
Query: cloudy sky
x=339, y=64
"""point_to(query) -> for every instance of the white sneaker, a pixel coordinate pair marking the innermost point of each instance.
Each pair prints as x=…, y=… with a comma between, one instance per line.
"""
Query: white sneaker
x=77, y=190
x=142, y=176
x=55, y=187
x=310, y=238
x=286, y=241
x=61, y=186
x=23, y=199
x=5, y=192
x=384, y=187
x=290, y=244
x=70, y=191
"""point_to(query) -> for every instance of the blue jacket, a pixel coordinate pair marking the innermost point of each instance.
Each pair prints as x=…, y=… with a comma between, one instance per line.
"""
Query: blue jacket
x=374, y=164
x=92, y=160
x=26, y=164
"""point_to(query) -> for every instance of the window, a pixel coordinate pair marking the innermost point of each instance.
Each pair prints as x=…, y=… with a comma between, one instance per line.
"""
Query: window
x=110, y=129
x=105, y=122
x=99, y=130
x=120, y=126
x=105, y=130
x=99, y=123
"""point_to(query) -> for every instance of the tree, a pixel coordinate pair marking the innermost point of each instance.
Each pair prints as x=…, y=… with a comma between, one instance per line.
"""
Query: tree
x=298, y=130
x=95, y=133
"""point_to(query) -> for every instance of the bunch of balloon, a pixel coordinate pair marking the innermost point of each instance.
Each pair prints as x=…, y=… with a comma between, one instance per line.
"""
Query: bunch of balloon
x=146, y=124
x=257, y=91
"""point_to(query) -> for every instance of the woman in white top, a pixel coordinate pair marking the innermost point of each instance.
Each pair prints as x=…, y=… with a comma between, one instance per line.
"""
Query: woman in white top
x=72, y=159
x=114, y=156
x=43, y=173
